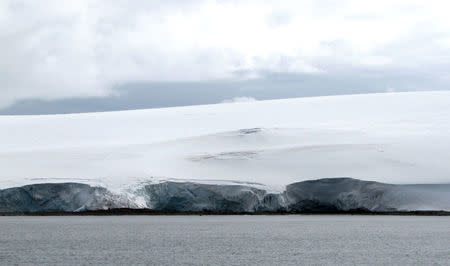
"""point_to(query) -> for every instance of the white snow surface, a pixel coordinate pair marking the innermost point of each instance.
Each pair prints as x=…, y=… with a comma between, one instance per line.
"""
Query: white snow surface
x=399, y=138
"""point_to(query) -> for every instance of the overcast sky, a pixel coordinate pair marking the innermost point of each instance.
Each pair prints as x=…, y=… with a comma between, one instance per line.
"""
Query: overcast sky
x=75, y=56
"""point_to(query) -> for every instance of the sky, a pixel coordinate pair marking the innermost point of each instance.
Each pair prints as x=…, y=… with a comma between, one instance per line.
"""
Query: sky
x=100, y=55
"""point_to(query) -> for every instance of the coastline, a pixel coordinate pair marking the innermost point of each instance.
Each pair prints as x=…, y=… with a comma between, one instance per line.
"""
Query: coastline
x=149, y=212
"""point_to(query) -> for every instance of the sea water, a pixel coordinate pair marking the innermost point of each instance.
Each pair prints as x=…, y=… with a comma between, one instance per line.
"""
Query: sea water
x=225, y=240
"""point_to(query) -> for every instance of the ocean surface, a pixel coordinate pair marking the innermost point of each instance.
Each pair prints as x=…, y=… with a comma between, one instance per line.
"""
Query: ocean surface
x=225, y=240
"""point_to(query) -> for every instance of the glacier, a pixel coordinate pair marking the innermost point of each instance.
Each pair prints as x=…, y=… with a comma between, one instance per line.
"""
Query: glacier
x=331, y=194
x=321, y=195
x=60, y=197
x=249, y=156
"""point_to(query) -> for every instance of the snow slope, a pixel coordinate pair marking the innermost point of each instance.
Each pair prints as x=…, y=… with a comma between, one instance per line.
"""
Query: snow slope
x=401, y=138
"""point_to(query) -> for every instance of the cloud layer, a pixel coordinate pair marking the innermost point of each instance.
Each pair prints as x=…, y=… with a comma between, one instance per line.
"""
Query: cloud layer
x=54, y=50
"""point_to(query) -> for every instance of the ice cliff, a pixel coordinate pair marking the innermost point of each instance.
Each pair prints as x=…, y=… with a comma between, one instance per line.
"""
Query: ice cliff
x=62, y=197
x=321, y=195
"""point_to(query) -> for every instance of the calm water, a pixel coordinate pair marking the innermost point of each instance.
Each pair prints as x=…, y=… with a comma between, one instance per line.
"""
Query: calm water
x=231, y=240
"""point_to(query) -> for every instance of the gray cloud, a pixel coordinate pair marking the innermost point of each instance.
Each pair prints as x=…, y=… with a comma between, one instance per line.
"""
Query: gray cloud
x=140, y=95
x=95, y=55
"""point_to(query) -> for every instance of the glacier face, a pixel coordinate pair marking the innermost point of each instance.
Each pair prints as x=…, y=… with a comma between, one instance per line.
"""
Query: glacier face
x=329, y=194
x=348, y=193
x=322, y=195
x=60, y=197
x=194, y=197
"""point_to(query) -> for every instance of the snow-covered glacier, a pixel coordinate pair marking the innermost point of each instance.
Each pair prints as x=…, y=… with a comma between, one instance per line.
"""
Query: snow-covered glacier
x=277, y=155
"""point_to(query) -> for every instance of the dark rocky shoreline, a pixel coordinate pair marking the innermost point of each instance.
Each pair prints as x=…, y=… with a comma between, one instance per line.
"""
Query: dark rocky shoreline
x=128, y=211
